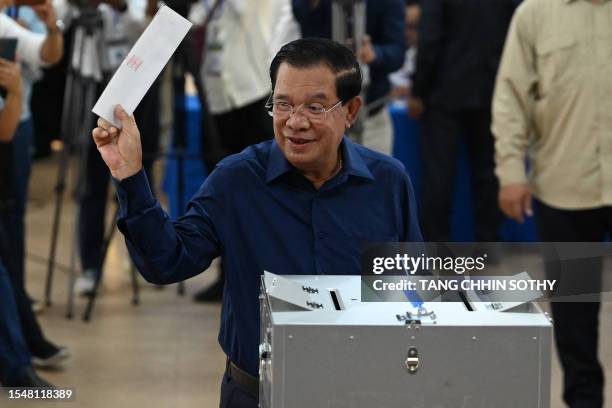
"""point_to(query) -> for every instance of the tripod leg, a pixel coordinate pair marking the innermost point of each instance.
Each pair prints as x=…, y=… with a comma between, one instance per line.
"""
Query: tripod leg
x=61, y=180
x=104, y=251
x=81, y=131
x=59, y=195
x=81, y=169
x=72, y=273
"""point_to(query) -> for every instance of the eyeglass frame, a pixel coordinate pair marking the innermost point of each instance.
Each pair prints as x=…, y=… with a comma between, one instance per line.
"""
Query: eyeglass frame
x=293, y=110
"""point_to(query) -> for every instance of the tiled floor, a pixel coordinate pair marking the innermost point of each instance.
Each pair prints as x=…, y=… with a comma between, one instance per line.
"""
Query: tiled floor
x=163, y=353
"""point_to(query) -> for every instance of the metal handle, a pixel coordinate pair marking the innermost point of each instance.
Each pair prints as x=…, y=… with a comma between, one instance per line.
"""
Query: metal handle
x=412, y=360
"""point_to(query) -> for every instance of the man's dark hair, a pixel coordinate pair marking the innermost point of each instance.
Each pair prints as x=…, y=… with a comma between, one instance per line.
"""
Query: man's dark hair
x=310, y=52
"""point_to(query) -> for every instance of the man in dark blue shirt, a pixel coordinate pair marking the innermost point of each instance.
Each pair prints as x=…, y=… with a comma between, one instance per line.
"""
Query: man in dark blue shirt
x=300, y=204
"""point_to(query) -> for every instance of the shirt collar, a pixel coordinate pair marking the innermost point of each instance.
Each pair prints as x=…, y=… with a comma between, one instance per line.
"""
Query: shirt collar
x=352, y=162
x=277, y=163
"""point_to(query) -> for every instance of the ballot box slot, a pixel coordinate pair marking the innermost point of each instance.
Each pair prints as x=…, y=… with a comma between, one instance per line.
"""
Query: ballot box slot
x=335, y=296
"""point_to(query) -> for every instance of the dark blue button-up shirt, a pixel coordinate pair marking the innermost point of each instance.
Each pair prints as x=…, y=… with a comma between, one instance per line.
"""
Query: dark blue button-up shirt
x=259, y=213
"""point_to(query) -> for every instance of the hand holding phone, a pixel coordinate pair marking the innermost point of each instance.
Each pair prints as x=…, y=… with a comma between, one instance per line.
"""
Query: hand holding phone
x=8, y=49
x=10, y=77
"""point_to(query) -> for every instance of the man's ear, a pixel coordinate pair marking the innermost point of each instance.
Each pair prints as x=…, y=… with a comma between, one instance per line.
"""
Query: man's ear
x=353, y=106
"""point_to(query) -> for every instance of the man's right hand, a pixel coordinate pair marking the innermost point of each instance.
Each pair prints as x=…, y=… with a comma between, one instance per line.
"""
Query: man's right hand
x=120, y=148
x=515, y=201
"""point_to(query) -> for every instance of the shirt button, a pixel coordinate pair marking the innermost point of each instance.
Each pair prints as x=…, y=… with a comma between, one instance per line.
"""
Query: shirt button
x=320, y=235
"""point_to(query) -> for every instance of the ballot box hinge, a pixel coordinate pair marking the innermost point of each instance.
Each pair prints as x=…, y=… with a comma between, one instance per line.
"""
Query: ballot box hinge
x=315, y=305
x=309, y=289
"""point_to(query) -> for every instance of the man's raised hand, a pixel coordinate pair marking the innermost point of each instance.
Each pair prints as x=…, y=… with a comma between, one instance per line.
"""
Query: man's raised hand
x=120, y=148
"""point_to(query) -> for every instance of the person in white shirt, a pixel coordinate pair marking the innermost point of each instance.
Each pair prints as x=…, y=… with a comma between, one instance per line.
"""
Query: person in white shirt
x=36, y=49
x=235, y=77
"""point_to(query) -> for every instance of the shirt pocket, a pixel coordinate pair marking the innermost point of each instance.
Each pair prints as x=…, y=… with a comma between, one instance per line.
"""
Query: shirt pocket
x=558, y=62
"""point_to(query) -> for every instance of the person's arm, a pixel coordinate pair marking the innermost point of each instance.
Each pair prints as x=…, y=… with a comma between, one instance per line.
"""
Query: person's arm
x=284, y=27
x=387, y=49
x=163, y=251
x=513, y=104
x=10, y=80
x=431, y=36
x=52, y=47
x=313, y=17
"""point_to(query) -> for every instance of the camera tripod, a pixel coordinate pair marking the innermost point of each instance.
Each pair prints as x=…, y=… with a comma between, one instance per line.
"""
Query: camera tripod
x=87, y=66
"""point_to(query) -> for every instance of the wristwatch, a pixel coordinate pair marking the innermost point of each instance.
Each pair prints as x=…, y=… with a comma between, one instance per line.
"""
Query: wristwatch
x=59, y=27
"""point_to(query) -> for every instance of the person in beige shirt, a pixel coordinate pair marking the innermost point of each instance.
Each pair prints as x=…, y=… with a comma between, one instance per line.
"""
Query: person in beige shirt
x=553, y=106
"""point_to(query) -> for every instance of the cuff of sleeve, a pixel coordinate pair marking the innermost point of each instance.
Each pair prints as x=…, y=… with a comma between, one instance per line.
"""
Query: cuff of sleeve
x=134, y=194
x=511, y=172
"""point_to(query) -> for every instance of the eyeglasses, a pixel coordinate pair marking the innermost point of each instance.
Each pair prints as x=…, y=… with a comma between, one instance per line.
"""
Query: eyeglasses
x=311, y=111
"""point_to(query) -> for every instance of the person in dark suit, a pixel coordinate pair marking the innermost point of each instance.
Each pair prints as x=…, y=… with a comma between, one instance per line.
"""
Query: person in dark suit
x=460, y=46
x=382, y=51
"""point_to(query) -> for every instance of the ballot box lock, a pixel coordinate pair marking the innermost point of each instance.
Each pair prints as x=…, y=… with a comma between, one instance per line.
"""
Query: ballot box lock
x=412, y=360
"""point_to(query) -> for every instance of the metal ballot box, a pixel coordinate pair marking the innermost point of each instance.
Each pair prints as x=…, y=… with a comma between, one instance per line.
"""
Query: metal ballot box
x=322, y=347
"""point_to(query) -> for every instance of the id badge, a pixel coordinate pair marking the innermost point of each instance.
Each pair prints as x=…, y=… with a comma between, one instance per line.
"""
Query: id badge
x=214, y=60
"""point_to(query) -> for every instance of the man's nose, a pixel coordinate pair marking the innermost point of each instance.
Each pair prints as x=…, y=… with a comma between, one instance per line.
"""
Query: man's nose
x=297, y=121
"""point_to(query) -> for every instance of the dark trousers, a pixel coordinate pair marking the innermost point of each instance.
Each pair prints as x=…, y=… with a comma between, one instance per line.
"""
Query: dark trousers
x=13, y=350
x=234, y=396
x=576, y=323
x=12, y=251
x=440, y=137
x=13, y=220
x=94, y=197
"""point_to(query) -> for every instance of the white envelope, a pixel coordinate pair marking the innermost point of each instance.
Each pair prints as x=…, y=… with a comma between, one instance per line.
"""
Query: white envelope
x=143, y=64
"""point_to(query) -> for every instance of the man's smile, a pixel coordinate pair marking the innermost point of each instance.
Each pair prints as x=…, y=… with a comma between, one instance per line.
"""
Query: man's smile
x=299, y=141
